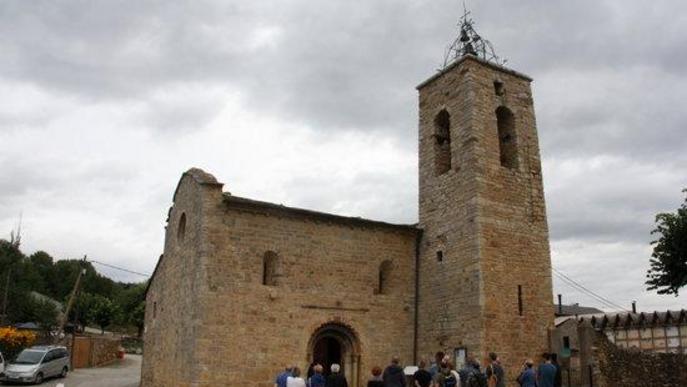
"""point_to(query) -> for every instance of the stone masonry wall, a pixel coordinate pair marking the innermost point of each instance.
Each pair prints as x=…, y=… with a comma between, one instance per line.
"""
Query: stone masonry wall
x=628, y=368
x=174, y=317
x=328, y=274
x=488, y=220
x=450, y=296
x=514, y=240
x=104, y=350
x=210, y=321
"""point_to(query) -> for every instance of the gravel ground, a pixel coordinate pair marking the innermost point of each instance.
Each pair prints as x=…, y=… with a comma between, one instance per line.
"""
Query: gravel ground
x=123, y=373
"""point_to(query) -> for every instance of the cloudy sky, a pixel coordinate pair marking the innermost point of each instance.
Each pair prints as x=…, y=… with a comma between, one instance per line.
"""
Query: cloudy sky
x=103, y=104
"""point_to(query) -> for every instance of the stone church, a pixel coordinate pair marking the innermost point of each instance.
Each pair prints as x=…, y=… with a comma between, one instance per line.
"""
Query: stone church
x=245, y=287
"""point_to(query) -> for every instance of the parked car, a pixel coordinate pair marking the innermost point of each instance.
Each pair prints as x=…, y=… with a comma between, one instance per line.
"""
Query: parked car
x=35, y=364
x=2, y=365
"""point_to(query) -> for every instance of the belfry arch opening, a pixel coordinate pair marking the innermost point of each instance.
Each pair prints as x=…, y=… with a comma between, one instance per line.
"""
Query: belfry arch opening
x=336, y=343
x=508, y=144
x=442, y=142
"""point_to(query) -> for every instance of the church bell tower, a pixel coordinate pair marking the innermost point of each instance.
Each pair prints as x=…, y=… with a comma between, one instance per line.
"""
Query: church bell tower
x=484, y=266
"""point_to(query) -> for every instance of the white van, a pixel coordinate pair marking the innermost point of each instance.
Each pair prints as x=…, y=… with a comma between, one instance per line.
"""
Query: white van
x=35, y=364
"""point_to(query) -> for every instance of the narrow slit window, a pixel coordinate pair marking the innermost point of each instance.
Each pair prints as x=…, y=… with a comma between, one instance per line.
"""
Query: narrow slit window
x=181, y=231
x=270, y=269
x=384, y=277
x=440, y=256
x=566, y=342
x=520, y=300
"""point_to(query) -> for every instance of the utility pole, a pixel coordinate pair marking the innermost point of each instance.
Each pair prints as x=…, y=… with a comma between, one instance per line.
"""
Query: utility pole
x=4, y=299
x=15, y=241
x=71, y=301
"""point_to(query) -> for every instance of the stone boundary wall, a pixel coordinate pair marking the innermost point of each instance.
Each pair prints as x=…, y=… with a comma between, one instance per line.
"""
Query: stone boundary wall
x=620, y=367
x=93, y=351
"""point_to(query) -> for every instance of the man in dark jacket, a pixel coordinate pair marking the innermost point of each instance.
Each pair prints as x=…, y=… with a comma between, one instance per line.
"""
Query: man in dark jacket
x=335, y=379
x=494, y=369
x=558, y=379
x=393, y=374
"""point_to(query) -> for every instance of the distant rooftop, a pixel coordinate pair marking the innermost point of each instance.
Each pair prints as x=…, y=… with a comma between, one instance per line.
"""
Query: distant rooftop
x=629, y=319
x=575, y=310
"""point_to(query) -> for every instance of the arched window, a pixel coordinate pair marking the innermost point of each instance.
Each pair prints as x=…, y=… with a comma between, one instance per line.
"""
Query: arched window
x=270, y=269
x=384, y=277
x=181, y=230
x=508, y=144
x=442, y=143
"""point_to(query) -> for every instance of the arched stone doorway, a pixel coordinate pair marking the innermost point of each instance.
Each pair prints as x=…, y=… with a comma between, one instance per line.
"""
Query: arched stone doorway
x=336, y=343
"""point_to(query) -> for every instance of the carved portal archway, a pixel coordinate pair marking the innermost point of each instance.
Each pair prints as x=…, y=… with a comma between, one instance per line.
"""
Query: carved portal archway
x=336, y=343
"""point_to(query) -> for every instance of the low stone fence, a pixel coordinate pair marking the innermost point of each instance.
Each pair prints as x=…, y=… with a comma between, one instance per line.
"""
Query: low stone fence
x=94, y=351
x=618, y=367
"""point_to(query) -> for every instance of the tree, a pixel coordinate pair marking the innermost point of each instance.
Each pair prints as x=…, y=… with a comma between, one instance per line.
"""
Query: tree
x=132, y=303
x=10, y=256
x=81, y=312
x=137, y=317
x=103, y=312
x=668, y=264
x=44, y=313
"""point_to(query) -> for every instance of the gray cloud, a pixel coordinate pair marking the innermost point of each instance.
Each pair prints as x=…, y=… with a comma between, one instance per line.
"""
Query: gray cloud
x=105, y=103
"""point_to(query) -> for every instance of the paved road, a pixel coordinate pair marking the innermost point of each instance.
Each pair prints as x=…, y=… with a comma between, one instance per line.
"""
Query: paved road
x=123, y=373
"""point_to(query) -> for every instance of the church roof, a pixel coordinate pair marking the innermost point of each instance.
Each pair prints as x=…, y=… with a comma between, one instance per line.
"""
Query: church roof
x=476, y=59
x=280, y=209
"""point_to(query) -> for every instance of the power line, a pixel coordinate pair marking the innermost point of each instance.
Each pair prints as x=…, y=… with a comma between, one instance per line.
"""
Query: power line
x=576, y=285
x=596, y=294
x=604, y=302
x=583, y=292
x=120, y=268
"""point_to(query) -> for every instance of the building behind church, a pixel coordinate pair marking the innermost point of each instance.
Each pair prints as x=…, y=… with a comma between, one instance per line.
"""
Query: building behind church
x=246, y=287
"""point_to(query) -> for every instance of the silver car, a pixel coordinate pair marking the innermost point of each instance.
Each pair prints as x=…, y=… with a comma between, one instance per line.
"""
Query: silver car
x=35, y=364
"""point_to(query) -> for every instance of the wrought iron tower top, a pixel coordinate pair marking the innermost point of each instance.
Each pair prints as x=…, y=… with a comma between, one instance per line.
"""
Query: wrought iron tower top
x=469, y=42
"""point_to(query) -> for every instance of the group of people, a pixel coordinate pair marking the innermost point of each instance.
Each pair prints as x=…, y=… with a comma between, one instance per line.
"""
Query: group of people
x=291, y=377
x=548, y=374
x=442, y=373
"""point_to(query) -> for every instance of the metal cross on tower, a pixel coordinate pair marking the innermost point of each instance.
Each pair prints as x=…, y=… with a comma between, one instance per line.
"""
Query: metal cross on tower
x=470, y=43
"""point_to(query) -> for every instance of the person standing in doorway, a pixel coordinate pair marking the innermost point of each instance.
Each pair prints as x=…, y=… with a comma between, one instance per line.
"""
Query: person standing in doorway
x=546, y=374
x=496, y=376
x=280, y=381
x=393, y=374
x=317, y=379
x=376, y=379
x=422, y=377
x=335, y=379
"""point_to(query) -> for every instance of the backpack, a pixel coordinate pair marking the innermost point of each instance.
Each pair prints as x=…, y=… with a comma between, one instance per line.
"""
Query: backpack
x=492, y=380
x=477, y=379
x=450, y=381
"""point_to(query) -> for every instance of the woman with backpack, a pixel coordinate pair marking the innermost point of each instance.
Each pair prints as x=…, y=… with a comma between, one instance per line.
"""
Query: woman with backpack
x=447, y=377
